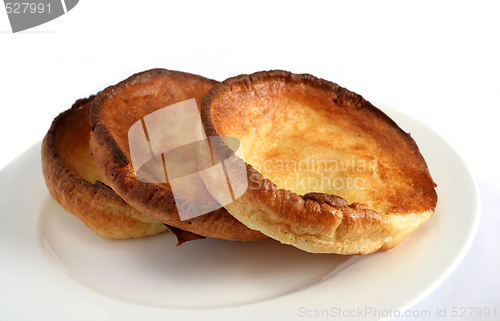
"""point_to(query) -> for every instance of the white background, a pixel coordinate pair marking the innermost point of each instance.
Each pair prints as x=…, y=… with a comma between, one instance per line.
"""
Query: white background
x=435, y=61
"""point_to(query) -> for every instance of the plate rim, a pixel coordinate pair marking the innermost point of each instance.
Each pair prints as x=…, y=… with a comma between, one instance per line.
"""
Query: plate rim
x=417, y=297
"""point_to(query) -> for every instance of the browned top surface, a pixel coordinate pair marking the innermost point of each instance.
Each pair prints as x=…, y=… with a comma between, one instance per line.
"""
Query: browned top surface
x=75, y=182
x=67, y=153
x=71, y=143
x=308, y=135
x=119, y=107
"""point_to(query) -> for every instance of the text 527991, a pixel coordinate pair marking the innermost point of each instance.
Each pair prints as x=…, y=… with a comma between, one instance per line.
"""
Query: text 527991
x=27, y=7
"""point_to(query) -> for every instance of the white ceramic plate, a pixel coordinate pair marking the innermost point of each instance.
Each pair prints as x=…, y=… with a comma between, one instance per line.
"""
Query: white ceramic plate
x=53, y=268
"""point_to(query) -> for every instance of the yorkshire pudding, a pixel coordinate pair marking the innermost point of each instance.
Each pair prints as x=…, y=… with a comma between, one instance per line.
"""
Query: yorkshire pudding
x=327, y=171
x=114, y=111
x=75, y=182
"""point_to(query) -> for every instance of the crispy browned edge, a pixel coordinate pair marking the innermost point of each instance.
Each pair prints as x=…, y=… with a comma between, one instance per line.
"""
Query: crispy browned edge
x=97, y=205
x=153, y=199
x=306, y=209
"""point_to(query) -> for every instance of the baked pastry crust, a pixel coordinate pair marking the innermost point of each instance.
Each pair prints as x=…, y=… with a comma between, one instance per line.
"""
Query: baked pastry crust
x=75, y=183
x=282, y=118
x=114, y=111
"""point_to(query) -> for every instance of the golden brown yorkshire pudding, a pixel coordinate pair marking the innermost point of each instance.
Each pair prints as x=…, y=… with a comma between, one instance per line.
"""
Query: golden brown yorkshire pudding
x=75, y=182
x=114, y=111
x=327, y=171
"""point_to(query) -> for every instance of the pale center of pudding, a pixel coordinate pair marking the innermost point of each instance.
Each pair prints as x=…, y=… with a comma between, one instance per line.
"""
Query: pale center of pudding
x=306, y=149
